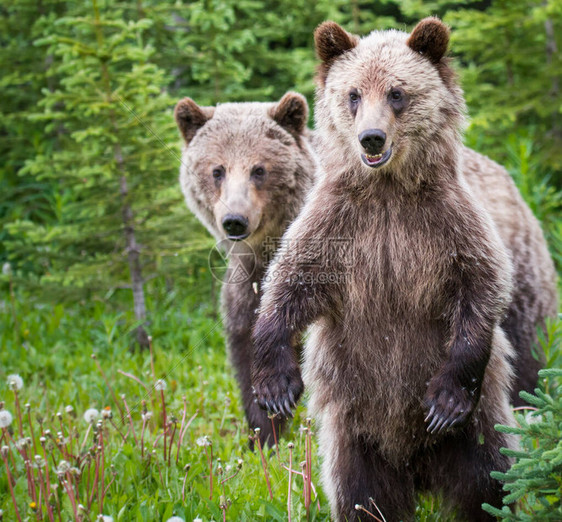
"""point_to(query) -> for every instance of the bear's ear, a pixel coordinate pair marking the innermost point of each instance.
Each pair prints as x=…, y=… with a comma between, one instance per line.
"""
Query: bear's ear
x=430, y=38
x=190, y=117
x=331, y=41
x=291, y=112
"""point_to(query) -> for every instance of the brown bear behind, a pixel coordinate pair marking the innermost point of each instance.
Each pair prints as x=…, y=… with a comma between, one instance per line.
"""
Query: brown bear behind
x=246, y=168
x=407, y=363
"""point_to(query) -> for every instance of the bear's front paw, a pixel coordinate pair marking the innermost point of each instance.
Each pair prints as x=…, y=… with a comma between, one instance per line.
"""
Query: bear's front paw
x=448, y=403
x=278, y=389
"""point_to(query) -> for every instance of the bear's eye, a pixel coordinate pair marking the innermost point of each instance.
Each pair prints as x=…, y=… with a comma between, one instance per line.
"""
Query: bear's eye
x=258, y=172
x=218, y=173
x=395, y=95
x=354, y=96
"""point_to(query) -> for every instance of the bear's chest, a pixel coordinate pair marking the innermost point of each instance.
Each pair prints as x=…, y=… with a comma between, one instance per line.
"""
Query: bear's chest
x=402, y=262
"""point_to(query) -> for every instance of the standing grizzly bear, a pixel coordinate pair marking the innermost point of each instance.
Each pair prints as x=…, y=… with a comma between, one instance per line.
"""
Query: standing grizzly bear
x=407, y=362
x=246, y=168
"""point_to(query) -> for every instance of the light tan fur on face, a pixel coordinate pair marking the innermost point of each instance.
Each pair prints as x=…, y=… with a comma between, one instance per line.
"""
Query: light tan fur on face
x=238, y=138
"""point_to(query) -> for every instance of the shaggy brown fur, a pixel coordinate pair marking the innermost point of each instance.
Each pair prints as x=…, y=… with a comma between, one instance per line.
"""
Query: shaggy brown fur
x=407, y=364
x=250, y=161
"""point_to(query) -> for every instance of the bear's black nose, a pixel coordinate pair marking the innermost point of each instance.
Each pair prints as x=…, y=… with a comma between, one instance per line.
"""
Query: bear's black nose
x=235, y=226
x=373, y=140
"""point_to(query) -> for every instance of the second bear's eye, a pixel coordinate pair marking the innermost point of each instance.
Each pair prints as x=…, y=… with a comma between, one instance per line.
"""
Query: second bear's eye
x=218, y=172
x=354, y=96
x=258, y=172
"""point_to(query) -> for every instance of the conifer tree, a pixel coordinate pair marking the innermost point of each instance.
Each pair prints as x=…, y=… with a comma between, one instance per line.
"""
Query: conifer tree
x=114, y=169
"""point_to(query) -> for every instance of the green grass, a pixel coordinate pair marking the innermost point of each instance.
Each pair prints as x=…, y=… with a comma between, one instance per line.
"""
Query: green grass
x=51, y=349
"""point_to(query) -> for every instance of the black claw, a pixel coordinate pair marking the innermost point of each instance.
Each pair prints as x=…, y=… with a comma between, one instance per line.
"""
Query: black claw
x=287, y=407
x=291, y=398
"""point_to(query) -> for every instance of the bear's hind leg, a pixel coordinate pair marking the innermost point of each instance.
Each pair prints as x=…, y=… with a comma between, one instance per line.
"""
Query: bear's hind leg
x=460, y=467
x=354, y=472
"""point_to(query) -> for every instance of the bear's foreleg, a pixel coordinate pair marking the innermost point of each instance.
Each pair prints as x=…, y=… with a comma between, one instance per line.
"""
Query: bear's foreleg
x=288, y=306
x=454, y=392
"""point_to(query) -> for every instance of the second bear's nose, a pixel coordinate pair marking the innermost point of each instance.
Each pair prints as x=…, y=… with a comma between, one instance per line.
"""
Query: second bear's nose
x=373, y=140
x=235, y=226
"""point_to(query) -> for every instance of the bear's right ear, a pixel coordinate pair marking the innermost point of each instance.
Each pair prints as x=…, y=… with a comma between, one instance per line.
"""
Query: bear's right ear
x=291, y=112
x=332, y=41
x=190, y=117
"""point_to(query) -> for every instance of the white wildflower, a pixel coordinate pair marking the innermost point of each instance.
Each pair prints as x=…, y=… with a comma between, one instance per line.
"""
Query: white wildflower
x=5, y=418
x=15, y=382
x=91, y=415
x=105, y=518
x=160, y=384
x=175, y=519
x=106, y=413
x=203, y=441
x=147, y=416
x=197, y=519
x=7, y=269
x=69, y=409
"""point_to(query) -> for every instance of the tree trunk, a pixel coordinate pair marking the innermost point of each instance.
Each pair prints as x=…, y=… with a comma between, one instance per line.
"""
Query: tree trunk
x=133, y=255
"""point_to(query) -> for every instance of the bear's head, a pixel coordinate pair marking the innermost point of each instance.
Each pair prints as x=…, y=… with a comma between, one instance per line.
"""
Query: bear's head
x=245, y=165
x=386, y=101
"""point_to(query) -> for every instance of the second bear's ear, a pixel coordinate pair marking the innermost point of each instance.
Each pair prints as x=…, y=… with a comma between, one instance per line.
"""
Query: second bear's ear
x=190, y=117
x=291, y=112
x=430, y=38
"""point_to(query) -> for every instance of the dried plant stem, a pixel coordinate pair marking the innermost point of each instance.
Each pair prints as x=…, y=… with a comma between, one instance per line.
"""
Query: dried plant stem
x=359, y=507
x=263, y=462
x=210, y=461
x=130, y=419
x=18, y=413
x=290, y=481
x=10, y=479
x=164, y=421
x=275, y=439
x=136, y=379
x=171, y=443
x=377, y=508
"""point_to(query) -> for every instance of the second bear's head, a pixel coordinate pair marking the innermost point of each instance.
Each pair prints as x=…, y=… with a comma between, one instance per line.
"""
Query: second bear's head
x=245, y=166
x=383, y=101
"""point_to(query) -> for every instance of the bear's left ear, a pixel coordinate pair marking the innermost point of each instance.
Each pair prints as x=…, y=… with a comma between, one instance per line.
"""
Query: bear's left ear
x=291, y=112
x=430, y=38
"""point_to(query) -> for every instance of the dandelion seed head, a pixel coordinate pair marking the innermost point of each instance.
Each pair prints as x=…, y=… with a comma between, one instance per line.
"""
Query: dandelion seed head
x=15, y=382
x=203, y=441
x=175, y=519
x=5, y=418
x=91, y=415
x=6, y=269
x=68, y=409
x=160, y=385
x=105, y=518
x=106, y=413
x=4, y=451
x=147, y=416
x=63, y=467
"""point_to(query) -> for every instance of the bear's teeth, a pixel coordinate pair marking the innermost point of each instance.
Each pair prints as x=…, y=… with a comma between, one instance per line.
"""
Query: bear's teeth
x=375, y=158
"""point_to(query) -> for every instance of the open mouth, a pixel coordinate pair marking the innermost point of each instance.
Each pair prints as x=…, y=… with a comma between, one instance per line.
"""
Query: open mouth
x=378, y=160
x=238, y=238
